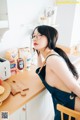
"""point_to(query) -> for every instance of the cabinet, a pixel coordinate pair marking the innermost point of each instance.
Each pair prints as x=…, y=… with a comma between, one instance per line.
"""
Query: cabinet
x=69, y=25
x=3, y=17
x=39, y=108
x=3, y=14
x=19, y=114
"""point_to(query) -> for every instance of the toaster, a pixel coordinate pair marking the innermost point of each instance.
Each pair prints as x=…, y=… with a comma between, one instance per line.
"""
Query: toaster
x=4, y=69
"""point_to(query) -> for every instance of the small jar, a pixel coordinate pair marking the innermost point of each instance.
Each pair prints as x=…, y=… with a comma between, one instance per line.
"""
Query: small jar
x=20, y=63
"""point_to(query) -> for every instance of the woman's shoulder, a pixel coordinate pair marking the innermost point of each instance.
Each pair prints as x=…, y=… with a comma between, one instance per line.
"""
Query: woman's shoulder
x=54, y=59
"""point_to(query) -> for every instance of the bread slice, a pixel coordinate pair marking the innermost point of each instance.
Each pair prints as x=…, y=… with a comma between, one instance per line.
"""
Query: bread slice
x=2, y=89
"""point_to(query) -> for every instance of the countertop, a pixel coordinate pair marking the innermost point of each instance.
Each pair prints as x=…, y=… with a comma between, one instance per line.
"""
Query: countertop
x=32, y=81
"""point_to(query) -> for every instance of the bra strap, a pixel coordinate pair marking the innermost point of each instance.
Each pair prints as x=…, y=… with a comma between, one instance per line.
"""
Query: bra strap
x=45, y=61
x=50, y=55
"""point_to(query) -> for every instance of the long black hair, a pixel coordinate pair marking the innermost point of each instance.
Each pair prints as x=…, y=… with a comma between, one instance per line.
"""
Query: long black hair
x=52, y=36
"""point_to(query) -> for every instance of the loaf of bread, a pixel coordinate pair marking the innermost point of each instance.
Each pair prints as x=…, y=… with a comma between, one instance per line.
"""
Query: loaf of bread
x=2, y=89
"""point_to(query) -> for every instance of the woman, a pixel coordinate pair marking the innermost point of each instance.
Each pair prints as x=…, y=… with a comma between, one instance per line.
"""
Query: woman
x=56, y=72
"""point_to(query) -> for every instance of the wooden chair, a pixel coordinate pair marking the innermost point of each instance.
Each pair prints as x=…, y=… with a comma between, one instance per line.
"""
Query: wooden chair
x=68, y=111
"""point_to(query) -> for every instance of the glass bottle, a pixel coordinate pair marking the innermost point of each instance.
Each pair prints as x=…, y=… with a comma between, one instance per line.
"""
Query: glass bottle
x=20, y=63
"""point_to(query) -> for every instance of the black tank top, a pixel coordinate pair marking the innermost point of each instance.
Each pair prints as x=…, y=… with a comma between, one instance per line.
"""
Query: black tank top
x=58, y=96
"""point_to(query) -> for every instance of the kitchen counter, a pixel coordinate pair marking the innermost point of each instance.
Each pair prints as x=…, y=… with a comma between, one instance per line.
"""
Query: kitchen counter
x=32, y=81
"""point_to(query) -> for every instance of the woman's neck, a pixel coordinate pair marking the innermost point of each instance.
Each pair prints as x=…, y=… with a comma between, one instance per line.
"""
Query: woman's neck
x=46, y=52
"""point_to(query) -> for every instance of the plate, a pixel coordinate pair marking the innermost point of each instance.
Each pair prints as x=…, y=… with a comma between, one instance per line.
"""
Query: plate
x=6, y=92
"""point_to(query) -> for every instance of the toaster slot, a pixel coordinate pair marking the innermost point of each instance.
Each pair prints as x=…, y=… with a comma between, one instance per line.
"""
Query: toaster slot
x=5, y=71
x=2, y=60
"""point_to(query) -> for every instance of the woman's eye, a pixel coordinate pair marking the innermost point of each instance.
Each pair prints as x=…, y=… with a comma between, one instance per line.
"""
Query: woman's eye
x=40, y=35
x=36, y=36
x=33, y=36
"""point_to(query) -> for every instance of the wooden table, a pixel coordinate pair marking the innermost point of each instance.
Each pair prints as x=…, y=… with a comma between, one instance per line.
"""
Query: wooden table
x=32, y=81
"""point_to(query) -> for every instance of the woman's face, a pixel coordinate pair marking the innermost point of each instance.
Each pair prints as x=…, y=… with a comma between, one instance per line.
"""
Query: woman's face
x=39, y=41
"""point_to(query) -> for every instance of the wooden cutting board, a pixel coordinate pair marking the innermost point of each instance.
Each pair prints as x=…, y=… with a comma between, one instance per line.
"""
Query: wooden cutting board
x=18, y=87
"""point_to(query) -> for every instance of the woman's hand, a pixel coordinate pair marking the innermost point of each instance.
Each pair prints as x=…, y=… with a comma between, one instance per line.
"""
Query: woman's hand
x=38, y=52
x=39, y=58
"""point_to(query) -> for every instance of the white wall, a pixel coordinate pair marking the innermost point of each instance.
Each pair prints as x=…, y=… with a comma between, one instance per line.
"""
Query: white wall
x=25, y=11
x=22, y=16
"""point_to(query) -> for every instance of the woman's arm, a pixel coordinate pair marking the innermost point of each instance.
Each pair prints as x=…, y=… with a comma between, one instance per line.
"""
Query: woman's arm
x=59, y=67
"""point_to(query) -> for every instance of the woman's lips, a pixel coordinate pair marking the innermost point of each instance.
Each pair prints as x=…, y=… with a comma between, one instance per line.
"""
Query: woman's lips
x=35, y=44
